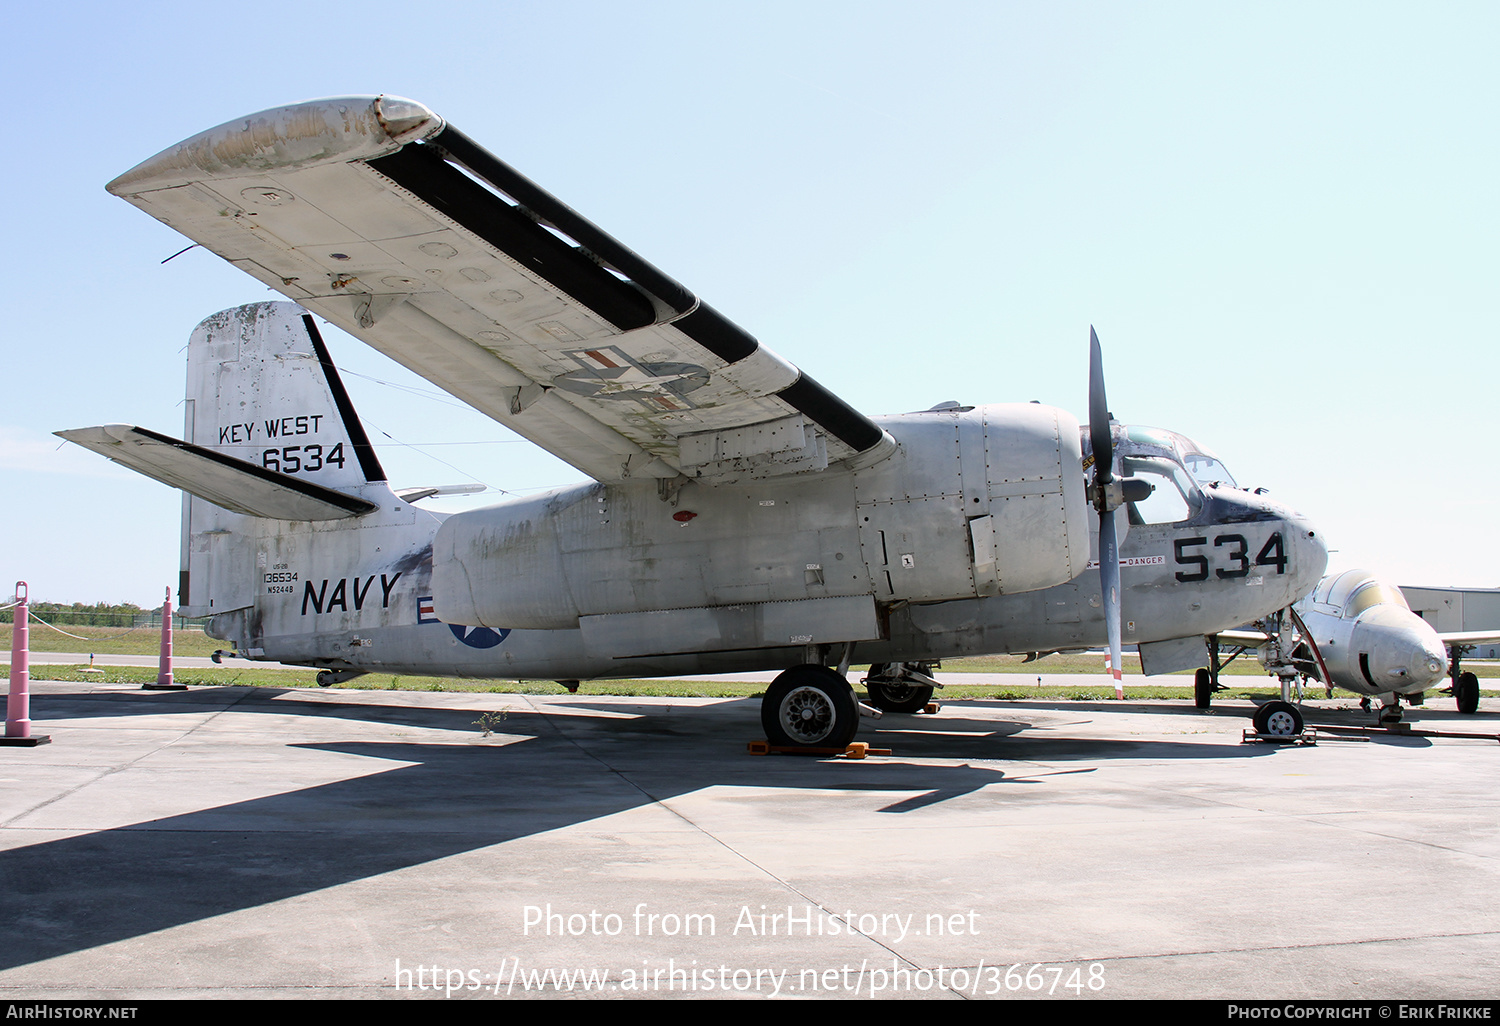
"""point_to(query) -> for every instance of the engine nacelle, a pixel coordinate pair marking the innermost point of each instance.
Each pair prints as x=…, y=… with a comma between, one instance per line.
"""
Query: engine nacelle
x=502, y=566
x=984, y=501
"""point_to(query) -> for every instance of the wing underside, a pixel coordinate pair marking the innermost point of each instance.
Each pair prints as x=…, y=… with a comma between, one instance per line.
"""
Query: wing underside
x=1469, y=639
x=384, y=220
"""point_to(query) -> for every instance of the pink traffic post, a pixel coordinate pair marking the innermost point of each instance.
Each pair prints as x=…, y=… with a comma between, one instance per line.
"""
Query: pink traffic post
x=164, y=663
x=18, y=703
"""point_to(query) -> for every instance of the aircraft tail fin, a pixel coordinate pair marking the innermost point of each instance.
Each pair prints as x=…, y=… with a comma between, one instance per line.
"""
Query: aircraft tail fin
x=262, y=389
x=269, y=432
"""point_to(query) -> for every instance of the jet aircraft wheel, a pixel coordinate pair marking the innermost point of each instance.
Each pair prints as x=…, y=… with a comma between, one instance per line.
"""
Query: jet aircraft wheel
x=325, y=679
x=811, y=707
x=1280, y=719
x=896, y=696
x=1467, y=693
x=1203, y=688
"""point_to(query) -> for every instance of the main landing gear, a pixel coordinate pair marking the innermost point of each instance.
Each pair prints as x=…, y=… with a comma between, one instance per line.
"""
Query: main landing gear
x=1465, y=686
x=1466, y=692
x=1206, y=679
x=813, y=706
x=810, y=706
x=900, y=687
x=328, y=678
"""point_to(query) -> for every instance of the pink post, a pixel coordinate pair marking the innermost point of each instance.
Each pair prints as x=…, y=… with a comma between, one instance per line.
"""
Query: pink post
x=164, y=665
x=18, y=704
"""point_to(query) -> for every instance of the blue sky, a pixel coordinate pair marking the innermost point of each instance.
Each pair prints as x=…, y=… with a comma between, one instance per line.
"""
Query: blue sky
x=1280, y=217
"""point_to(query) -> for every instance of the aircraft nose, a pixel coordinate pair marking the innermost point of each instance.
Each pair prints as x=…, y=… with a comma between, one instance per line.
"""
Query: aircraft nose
x=1434, y=659
x=1398, y=653
x=1312, y=553
x=1290, y=556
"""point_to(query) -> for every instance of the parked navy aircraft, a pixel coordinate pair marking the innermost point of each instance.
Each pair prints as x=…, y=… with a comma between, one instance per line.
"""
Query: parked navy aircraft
x=1356, y=632
x=740, y=515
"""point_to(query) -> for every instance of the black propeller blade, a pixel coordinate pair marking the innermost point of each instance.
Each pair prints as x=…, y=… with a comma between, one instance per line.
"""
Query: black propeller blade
x=1101, y=438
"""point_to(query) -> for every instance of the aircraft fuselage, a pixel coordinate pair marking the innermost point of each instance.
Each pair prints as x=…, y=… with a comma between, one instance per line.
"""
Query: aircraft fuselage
x=754, y=575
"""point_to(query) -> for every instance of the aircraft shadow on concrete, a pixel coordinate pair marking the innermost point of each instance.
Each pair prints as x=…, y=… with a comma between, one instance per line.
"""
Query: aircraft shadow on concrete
x=79, y=892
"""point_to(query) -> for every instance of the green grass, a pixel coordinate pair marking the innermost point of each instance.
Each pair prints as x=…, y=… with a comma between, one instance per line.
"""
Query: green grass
x=1082, y=662
x=1245, y=666
x=145, y=641
x=193, y=642
x=1002, y=690
x=110, y=640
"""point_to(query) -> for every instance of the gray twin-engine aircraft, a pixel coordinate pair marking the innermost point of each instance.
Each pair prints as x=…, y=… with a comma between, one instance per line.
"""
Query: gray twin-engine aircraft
x=1356, y=632
x=740, y=515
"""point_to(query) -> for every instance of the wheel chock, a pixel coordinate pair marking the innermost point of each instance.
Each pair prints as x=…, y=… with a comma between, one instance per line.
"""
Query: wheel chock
x=855, y=750
x=1306, y=737
x=932, y=708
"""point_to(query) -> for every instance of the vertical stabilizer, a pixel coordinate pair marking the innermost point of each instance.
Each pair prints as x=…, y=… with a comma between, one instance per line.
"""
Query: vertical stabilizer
x=262, y=389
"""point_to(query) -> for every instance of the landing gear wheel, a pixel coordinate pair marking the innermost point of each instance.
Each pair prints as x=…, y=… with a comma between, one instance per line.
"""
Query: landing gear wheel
x=1203, y=689
x=810, y=707
x=1466, y=691
x=896, y=696
x=326, y=679
x=1279, y=719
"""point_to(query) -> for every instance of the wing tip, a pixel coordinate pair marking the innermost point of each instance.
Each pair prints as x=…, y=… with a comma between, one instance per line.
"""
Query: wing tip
x=330, y=130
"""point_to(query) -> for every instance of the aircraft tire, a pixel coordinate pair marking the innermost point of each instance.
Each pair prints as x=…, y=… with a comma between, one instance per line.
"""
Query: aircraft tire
x=1467, y=693
x=1203, y=688
x=1279, y=719
x=325, y=679
x=809, y=707
x=896, y=696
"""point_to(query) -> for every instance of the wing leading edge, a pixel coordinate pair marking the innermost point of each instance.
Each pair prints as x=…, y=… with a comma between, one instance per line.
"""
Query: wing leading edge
x=380, y=217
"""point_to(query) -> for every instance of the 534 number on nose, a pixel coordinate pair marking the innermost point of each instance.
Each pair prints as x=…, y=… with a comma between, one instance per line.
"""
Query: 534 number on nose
x=1230, y=547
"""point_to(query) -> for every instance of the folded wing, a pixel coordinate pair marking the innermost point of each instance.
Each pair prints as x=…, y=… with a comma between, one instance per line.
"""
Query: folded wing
x=380, y=217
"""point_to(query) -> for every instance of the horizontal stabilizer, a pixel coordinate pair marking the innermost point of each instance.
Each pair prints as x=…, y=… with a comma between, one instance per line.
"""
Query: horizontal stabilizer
x=428, y=491
x=222, y=480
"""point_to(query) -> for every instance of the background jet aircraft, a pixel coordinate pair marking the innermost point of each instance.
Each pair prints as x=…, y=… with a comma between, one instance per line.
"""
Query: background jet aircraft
x=1358, y=633
x=740, y=515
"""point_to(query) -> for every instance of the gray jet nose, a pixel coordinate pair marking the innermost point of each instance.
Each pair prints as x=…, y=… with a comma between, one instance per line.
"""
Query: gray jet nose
x=1398, y=649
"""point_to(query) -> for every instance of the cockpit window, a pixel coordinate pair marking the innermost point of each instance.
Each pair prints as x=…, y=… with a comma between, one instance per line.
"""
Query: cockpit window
x=1159, y=437
x=1205, y=467
x=1373, y=593
x=1208, y=471
x=1174, y=496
